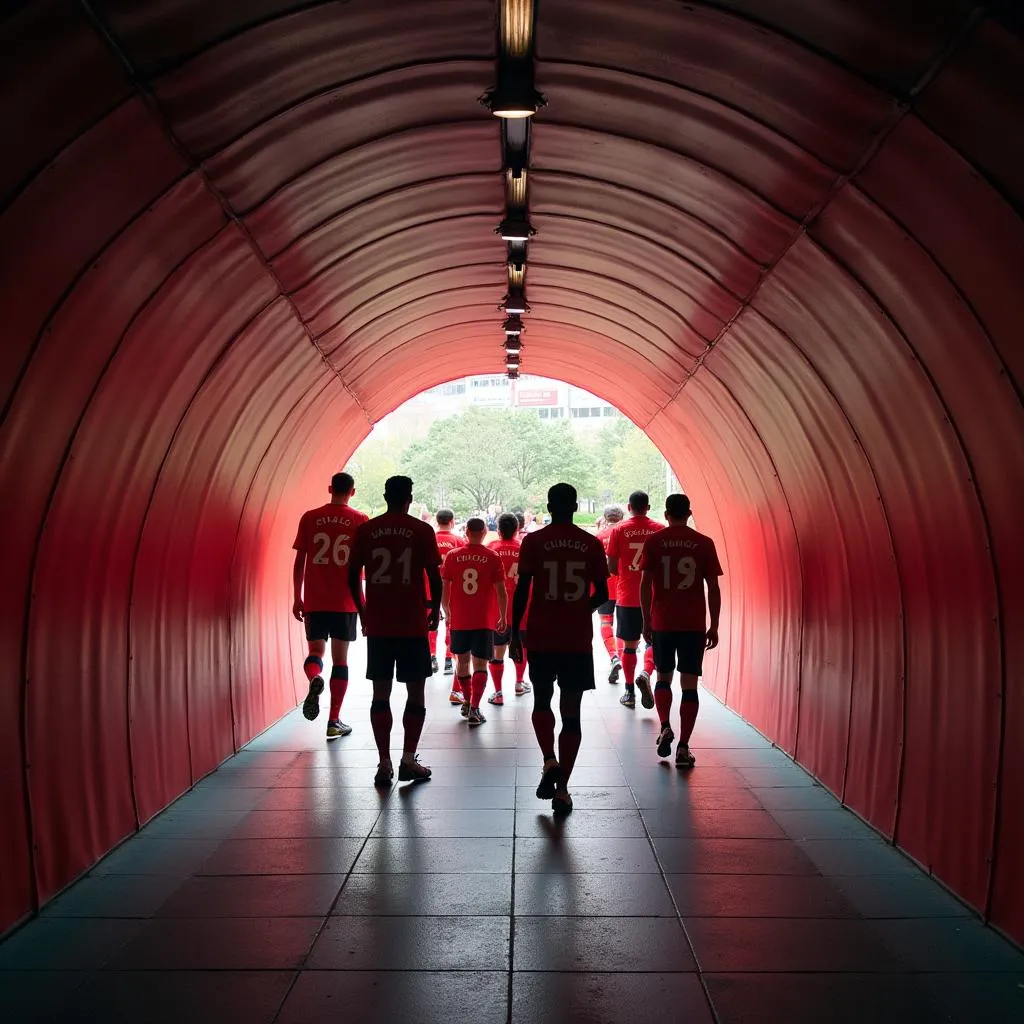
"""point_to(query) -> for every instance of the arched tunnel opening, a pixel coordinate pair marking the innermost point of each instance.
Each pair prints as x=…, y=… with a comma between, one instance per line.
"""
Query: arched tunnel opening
x=784, y=237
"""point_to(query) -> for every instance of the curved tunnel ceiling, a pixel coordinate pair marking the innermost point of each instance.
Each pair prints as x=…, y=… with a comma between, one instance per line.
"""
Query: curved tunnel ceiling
x=784, y=236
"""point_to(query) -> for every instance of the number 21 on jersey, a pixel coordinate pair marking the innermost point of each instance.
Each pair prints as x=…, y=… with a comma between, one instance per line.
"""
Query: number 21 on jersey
x=382, y=571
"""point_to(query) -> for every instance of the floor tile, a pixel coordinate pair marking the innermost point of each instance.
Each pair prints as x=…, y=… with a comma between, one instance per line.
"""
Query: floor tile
x=616, y=943
x=66, y=944
x=215, y=944
x=948, y=944
x=739, y=895
x=254, y=896
x=913, y=895
x=796, y=798
x=183, y=824
x=792, y=777
x=538, y=823
x=456, y=798
x=594, y=895
x=416, y=856
x=199, y=997
x=157, y=856
x=260, y=759
x=685, y=822
x=562, y=855
x=305, y=822
x=733, y=856
x=982, y=998
x=283, y=857
x=405, y=820
x=412, y=944
x=857, y=857
x=837, y=823
x=732, y=944
x=220, y=798
x=114, y=896
x=590, y=798
x=248, y=777
x=561, y=998
x=425, y=895
x=351, y=798
x=661, y=777
x=366, y=997
x=35, y=996
x=817, y=998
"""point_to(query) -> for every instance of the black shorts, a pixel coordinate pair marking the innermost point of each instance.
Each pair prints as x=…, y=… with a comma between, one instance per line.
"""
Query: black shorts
x=406, y=658
x=572, y=671
x=331, y=625
x=478, y=642
x=629, y=623
x=684, y=650
x=608, y=608
x=503, y=639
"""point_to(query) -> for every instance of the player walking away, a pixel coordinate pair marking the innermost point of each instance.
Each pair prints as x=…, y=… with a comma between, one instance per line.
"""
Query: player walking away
x=506, y=547
x=625, y=548
x=447, y=540
x=676, y=563
x=606, y=613
x=396, y=550
x=562, y=578
x=474, y=601
x=322, y=599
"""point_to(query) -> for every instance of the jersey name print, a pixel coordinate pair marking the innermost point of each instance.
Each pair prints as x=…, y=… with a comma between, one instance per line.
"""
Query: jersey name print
x=563, y=563
x=395, y=549
x=326, y=535
x=627, y=545
x=679, y=560
x=471, y=572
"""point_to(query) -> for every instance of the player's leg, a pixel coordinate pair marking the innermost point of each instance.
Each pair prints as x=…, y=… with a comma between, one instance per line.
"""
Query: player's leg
x=462, y=642
x=606, y=618
x=664, y=652
x=343, y=632
x=317, y=632
x=542, y=673
x=481, y=650
x=412, y=665
x=628, y=626
x=448, y=651
x=496, y=666
x=432, y=644
x=460, y=686
x=691, y=666
x=522, y=686
x=380, y=667
x=569, y=740
x=643, y=678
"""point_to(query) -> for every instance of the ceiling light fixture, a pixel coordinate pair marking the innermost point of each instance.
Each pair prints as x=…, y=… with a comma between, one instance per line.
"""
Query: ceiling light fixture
x=513, y=325
x=515, y=302
x=515, y=228
x=514, y=97
x=513, y=343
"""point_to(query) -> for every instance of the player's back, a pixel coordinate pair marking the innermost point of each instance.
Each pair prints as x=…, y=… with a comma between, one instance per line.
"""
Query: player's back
x=627, y=544
x=563, y=562
x=396, y=549
x=508, y=552
x=472, y=571
x=448, y=541
x=679, y=559
x=327, y=534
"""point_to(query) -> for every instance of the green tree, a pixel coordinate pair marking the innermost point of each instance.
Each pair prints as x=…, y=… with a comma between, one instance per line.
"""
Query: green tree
x=371, y=464
x=538, y=454
x=627, y=460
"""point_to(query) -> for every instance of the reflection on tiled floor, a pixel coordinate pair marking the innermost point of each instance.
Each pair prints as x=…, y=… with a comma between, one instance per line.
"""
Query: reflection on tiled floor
x=285, y=888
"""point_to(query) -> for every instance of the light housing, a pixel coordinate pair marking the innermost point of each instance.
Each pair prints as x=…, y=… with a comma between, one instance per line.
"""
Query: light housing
x=513, y=325
x=515, y=228
x=514, y=95
x=515, y=302
x=512, y=358
x=513, y=343
x=513, y=373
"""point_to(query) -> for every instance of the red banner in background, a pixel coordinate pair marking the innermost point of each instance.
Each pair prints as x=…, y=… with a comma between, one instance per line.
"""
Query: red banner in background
x=536, y=396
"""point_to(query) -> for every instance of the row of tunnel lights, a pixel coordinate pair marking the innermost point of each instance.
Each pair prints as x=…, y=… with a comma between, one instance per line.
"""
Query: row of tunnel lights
x=514, y=99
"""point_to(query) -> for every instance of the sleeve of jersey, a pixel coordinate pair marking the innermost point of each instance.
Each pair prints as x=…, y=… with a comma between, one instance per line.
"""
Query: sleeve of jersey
x=526, y=565
x=599, y=563
x=300, y=537
x=359, y=546
x=714, y=566
x=647, y=556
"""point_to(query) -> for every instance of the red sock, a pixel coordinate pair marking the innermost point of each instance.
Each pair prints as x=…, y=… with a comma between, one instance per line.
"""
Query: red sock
x=663, y=701
x=520, y=667
x=497, y=669
x=688, y=715
x=412, y=722
x=313, y=666
x=608, y=635
x=479, y=686
x=339, y=686
x=620, y=646
x=544, y=728
x=432, y=640
x=381, y=722
x=629, y=665
x=464, y=685
x=448, y=644
x=649, y=661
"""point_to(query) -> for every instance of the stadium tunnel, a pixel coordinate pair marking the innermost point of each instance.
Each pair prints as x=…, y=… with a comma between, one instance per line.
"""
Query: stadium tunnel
x=783, y=235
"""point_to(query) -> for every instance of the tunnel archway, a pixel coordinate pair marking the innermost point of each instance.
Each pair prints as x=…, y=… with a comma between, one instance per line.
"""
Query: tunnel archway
x=785, y=235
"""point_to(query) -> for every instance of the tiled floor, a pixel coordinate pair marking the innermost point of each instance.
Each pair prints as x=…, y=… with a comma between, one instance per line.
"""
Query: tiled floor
x=285, y=888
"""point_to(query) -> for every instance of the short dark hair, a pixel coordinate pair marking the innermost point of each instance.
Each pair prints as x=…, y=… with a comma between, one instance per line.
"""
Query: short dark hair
x=520, y=518
x=397, y=489
x=342, y=483
x=476, y=525
x=677, y=506
x=508, y=523
x=562, y=498
x=639, y=499
x=445, y=517
x=613, y=513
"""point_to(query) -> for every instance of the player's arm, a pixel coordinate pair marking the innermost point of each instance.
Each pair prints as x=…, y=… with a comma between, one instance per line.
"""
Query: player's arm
x=298, y=572
x=355, y=576
x=446, y=598
x=502, y=595
x=613, y=553
x=599, y=577
x=714, y=610
x=646, y=600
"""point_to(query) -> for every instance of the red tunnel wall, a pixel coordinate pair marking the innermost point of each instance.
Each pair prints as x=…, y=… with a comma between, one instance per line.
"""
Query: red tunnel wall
x=812, y=306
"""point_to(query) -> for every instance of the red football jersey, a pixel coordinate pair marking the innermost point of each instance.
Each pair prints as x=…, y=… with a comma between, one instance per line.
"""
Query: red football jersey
x=563, y=562
x=605, y=536
x=396, y=550
x=508, y=552
x=325, y=536
x=472, y=570
x=627, y=544
x=446, y=541
x=679, y=560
